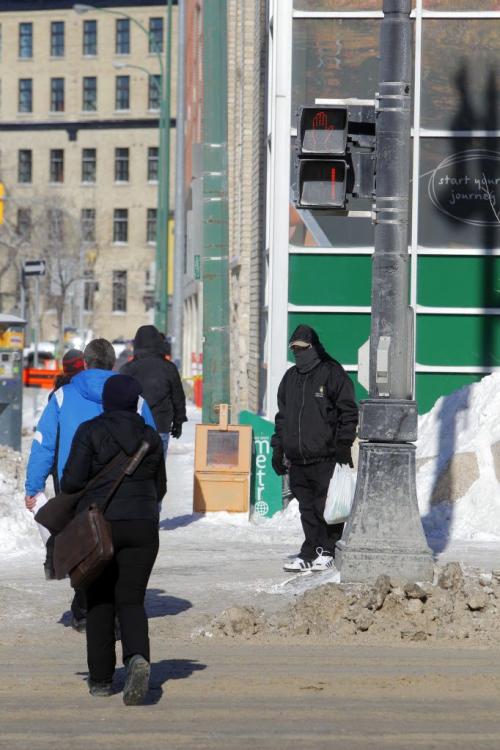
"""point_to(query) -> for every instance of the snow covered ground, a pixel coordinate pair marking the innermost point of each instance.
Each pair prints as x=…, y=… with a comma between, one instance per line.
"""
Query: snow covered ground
x=208, y=562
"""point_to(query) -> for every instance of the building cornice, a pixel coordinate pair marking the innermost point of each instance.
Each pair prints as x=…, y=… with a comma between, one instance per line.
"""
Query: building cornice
x=73, y=127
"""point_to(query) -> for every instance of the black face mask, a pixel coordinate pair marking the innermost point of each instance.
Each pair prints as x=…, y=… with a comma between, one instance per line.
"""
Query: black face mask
x=306, y=359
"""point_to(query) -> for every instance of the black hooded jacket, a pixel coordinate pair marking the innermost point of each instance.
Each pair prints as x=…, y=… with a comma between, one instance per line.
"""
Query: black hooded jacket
x=159, y=378
x=95, y=445
x=316, y=409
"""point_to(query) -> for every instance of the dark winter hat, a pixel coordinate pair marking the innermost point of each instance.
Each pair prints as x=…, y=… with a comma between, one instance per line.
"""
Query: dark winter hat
x=72, y=362
x=148, y=338
x=121, y=392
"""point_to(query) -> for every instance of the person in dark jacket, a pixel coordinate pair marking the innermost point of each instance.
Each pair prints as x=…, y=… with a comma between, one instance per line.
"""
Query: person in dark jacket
x=133, y=516
x=314, y=429
x=160, y=381
x=72, y=364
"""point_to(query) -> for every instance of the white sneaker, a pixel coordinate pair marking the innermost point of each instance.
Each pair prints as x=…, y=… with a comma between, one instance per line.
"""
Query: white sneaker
x=324, y=561
x=298, y=565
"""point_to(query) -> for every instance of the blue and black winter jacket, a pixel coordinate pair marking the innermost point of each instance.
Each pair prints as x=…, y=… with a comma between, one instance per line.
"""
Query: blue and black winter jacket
x=70, y=405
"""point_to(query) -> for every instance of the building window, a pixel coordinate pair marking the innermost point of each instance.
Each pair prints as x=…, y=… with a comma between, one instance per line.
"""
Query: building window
x=56, y=165
x=24, y=223
x=122, y=46
x=119, y=291
x=26, y=40
x=153, y=164
x=154, y=92
x=122, y=98
x=55, y=230
x=89, y=94
x=89, y=164
x=57, y=94
x=156, y=35
x=90, y=38
x=57, y=39
x=120, y=225
x=90, y=287
x=88, y=225
x=24, y=169
x=151, y=226
x=121, y=165
x=25, y=101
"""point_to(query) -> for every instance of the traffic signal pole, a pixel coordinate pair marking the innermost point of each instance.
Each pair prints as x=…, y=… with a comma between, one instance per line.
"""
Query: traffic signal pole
x=384, y=533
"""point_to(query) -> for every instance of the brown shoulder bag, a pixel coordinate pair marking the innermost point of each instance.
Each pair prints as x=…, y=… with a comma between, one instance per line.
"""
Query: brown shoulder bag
x=85, y=546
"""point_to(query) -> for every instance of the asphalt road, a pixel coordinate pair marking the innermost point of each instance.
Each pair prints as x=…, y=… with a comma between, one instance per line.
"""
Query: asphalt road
x=239, y=695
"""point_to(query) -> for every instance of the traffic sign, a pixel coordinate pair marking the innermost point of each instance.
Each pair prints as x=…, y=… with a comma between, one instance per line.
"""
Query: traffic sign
x=34, y=268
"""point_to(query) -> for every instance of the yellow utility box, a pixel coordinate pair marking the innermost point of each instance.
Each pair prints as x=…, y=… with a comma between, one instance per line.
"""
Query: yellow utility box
x=222, y=461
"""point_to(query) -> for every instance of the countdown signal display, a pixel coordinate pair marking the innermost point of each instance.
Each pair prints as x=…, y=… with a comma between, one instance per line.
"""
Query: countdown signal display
x=326, y=150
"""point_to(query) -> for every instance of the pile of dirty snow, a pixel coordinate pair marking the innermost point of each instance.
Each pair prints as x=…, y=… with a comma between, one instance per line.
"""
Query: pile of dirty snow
x=456, y=606
x=458, y=464
x=18, y=531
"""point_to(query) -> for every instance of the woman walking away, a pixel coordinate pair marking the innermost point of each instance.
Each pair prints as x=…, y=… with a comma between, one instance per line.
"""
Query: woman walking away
x=133, y=516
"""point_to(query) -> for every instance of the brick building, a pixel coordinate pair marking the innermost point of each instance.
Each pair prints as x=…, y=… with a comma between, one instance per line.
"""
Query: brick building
x=247, y=75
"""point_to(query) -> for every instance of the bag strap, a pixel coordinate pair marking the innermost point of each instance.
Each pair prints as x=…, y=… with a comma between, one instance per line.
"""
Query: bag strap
x=112, y=464
x=128, y=469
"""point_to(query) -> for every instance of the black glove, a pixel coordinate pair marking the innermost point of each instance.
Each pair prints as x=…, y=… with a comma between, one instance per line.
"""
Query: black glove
x=343, y=453
x=176, y=430
x=278, y=463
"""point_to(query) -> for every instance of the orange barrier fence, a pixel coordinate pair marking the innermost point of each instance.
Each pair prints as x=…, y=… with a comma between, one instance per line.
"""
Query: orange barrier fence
x=38, y=377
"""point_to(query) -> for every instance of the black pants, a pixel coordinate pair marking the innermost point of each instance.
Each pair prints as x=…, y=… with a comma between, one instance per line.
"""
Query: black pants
x=309, y=485
x=120, y=590
x=79, y=604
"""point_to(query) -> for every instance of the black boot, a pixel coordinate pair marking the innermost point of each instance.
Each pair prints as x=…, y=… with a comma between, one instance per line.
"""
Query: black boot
x=100, y=689
x=137, y=682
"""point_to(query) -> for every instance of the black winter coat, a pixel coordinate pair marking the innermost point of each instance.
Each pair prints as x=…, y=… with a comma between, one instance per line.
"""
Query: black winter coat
x=95, y=445
x=316, y=409
x=159, y=378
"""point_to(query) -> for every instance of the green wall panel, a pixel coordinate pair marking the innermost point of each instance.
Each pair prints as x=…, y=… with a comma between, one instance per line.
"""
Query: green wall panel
x=430, y=386
x=340, y=334
x=458, y=340
x=458, y=282
x=330, y=279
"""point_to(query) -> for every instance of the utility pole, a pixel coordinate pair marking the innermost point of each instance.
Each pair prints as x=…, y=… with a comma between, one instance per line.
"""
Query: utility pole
x=180, y=213
x=384, y=533
x=215, y=256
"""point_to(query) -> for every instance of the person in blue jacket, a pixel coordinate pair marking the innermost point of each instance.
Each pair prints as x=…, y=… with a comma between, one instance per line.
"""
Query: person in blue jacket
x=71, y=405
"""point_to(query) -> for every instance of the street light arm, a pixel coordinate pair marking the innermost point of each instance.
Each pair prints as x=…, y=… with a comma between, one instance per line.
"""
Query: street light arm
x=123, y=66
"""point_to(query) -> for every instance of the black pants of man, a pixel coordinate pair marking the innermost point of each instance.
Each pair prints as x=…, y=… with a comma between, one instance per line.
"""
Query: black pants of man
x=309, y=485
x=120, y=590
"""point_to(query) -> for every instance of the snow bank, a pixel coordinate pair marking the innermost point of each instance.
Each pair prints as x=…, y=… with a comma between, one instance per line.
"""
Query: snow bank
x=18, y=531
x=457, y=480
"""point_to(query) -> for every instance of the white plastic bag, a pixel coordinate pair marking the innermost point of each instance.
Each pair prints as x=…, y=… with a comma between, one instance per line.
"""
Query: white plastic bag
x=41, y=499
x=340, y=495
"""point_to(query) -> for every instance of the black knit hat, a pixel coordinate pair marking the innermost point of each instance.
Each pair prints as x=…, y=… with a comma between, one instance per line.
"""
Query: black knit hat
x=121, y=392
